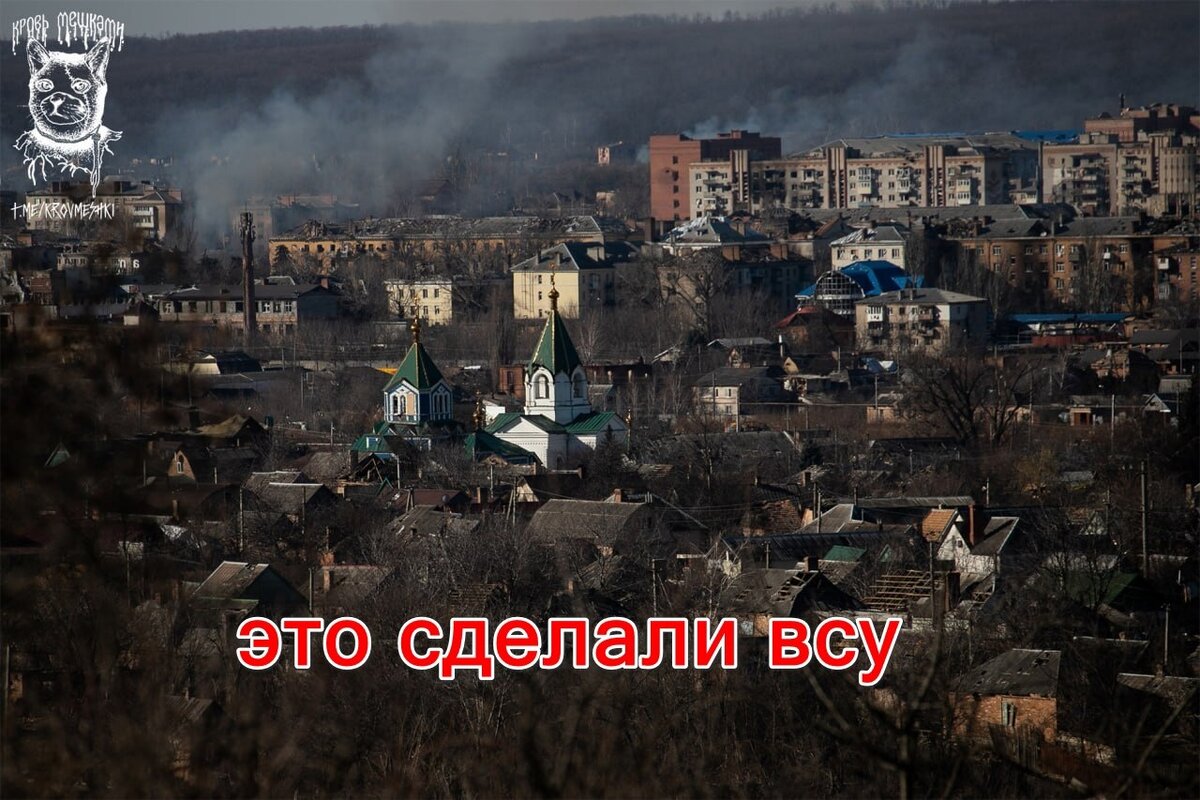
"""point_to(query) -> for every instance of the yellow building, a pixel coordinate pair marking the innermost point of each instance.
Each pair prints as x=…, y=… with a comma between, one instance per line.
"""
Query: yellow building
x=433, y=298
x=585, y=275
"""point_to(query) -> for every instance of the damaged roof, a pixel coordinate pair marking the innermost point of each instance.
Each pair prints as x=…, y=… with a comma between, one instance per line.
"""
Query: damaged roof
x=1018, y=673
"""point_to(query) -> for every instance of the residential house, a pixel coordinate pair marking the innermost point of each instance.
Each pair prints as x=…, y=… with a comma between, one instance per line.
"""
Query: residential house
x=1013, y=693
x=757, y=596
x=734, y=392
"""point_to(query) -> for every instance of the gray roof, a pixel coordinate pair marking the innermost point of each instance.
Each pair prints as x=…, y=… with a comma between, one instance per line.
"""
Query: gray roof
x=943, y=501
x=776, y=591
x=1019, y=673
x=880, y=234
x=429, y=520
x=921, y=297
x=912, y=144
x=216, y=291
x=996, y=535
x=595, y=520
x=230, y=580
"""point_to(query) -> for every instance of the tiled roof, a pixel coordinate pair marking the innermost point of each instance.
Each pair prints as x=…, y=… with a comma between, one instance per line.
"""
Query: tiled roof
x=935, y=523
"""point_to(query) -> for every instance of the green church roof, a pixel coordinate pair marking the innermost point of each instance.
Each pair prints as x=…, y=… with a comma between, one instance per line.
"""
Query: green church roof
x=418, y=369
x=554, y=350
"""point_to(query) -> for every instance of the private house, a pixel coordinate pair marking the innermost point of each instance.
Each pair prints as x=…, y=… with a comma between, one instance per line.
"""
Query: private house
x=758, y=595
x=246, y=589
x=738, y=391
x=1011, y=694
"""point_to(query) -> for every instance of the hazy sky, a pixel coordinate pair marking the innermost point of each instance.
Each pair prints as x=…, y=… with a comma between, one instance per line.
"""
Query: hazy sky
x=196, y=16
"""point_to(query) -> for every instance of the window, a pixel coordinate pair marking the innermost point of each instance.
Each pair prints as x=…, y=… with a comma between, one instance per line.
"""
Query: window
x=996, y=250
x=1008, y=714
x=578, y=386
x=395, y=404
x=425, y=293
x=179, y=466
x=539, y=279
x=541, y=387
x=435, y=294
x=1042, y=249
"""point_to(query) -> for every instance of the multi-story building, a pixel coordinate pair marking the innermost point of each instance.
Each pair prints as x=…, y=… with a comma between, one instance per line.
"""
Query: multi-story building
x=872, y=243
x=1088, y=261
x=1143, y=160
x=939, y=170
x=584, y=274
x=926, y=320
x=431, y=298
x=139, y=208
x=497, y=239
x=281, y=308
x=672, y=154
x=1176, y=276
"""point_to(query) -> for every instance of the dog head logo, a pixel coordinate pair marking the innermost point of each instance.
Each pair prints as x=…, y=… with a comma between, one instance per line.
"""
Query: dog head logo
x=66, y=101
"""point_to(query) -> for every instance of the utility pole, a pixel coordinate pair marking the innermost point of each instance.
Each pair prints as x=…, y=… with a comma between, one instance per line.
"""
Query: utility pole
x=1145, y=550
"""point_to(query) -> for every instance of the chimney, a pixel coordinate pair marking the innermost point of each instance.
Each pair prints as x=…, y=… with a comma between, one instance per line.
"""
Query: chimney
x=971, y=525
x=810, y=564
x=248, y=308
x=617, y=495
x=951, y=590
x=325, y=579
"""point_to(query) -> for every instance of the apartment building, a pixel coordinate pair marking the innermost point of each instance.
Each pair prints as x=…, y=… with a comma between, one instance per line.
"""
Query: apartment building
x=940, y=170
x=281, y=308
x=671, y=156
x=137, y=207
x=431, y=298
x=872, y=243
x=926, y=320
x=584, y=275
x=1085, y=260
x=1145, y=159
x=496, y=240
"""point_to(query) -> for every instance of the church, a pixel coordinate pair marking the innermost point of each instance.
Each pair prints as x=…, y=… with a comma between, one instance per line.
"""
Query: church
x=558, y=425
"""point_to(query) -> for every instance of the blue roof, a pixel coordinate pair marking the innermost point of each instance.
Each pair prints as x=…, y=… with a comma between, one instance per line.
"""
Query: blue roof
x=1035, y=319
x=874, y=278
x=1061, y=135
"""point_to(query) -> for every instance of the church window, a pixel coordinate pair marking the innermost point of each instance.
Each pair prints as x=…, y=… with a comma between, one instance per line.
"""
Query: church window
x=541, y=387
x=578, y=386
